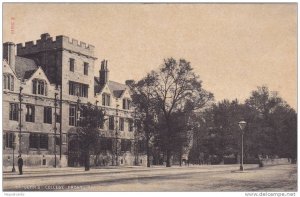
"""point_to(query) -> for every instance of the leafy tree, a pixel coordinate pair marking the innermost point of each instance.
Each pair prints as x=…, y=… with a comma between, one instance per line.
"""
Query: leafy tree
x=176, y=88
x=91, y=118
x=220, y=129
x=273, y=128
x=142, y=97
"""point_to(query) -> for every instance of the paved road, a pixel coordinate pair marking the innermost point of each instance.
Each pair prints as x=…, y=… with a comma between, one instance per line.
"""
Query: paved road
x=193, y=178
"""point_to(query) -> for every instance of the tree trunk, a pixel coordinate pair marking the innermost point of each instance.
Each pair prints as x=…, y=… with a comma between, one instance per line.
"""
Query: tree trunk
x=168, y=158
x=148, y=151
x=168, y=152
x=147, y=131
x=180, y=158
x=87, y=161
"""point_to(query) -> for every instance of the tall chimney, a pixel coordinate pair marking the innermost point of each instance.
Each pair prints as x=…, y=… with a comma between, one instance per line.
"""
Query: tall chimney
x=9, y=54
x=103, y=73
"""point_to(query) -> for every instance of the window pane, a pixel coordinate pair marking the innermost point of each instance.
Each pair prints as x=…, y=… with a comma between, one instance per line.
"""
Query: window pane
x=108, y=100
x=33, y=140
x=86, y=68
x=103, y=99
x=8, y=82
x=124, y=104
x=30, y=113
x=130, y=124
x=111, y=123
x=13, y=111
x=78, y=89
x=4, y=82
x=72, y=115
x=34, y=86
x=48, y=115
x=121, y=124
x=72, y=64
x=43, y=141
x=12, y=83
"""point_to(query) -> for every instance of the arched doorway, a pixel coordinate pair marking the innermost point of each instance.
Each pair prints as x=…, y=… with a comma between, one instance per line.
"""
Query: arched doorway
x=75, y=156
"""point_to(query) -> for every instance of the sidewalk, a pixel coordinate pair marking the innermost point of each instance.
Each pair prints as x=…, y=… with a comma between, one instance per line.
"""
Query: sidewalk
x=38, y=171
x=8, y=170
x=67, y=171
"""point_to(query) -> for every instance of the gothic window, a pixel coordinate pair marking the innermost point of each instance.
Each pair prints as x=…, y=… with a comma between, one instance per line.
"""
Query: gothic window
x=13, y=111
x=39, y=87
x=72, y=112
x=121, y=124
x=78, y=89
x=130, y=124
x=111, y=123
x=8, y=139
x=86, y=68
x=8, y=82
x=72, y=64
x=126, y=104
x=38, y=141
x=48, y=115
x=30, y=113
x=105, y=99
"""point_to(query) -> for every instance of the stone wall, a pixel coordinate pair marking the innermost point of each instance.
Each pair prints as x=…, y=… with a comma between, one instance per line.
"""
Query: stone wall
x=277, y=161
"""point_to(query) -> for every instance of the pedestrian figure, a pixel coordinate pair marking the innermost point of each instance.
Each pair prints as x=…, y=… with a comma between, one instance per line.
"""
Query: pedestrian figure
x=20, y=164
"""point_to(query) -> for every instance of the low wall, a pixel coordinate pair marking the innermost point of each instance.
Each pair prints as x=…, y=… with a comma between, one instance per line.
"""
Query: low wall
x=278, y=161
x=34, y=161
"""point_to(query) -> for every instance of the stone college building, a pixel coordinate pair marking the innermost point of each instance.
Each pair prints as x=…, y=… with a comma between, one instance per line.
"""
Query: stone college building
x=43, y=84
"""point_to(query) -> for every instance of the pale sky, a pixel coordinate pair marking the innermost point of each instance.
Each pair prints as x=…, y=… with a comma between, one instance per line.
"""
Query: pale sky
x=233, y=47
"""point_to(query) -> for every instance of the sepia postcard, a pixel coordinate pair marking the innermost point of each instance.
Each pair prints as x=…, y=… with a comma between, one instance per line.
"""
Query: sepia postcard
x=149, y=97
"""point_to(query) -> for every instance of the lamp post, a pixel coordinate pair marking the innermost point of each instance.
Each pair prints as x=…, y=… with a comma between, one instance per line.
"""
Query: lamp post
x=20, y=119
x=136, y=140
x=117, y=114
x=78, y=111
x=13, y=146
x=242, y=125
x=77, y=124
x=55, y=128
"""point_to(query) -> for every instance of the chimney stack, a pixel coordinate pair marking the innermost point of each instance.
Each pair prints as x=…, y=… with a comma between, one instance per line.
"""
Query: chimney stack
x=9, y=53
x=103, y=73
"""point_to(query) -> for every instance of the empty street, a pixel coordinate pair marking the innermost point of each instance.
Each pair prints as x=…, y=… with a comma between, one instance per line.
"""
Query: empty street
x=186, y=178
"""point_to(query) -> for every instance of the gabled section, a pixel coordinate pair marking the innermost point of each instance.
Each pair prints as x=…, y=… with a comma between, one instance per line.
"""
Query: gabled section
x=37, y=74
x=117, y=88
x=10, y=81
x=126, y=94
x=8, y=69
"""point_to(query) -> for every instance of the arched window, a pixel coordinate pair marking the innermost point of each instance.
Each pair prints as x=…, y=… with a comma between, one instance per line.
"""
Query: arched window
x=105, y=99
x=39, y=86
x=126, y=103
x=8, y=82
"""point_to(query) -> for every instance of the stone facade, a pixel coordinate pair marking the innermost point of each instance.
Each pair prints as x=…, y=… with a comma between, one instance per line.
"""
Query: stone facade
x=55, y=75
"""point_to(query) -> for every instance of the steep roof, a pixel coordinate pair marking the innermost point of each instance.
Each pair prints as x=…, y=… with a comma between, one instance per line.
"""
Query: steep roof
x=115, y=87
x=24, y=67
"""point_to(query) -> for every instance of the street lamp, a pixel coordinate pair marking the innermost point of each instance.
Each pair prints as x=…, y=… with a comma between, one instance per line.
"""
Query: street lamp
x=55, y=128
x=117, y=115
x=242, y=125
x=13, y=146
x=20, y=119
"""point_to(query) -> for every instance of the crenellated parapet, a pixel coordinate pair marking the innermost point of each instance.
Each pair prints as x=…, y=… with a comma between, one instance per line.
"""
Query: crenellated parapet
x=46, y=43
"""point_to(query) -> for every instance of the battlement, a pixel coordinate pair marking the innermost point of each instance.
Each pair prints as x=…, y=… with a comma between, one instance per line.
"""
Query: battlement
x=61, y=42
